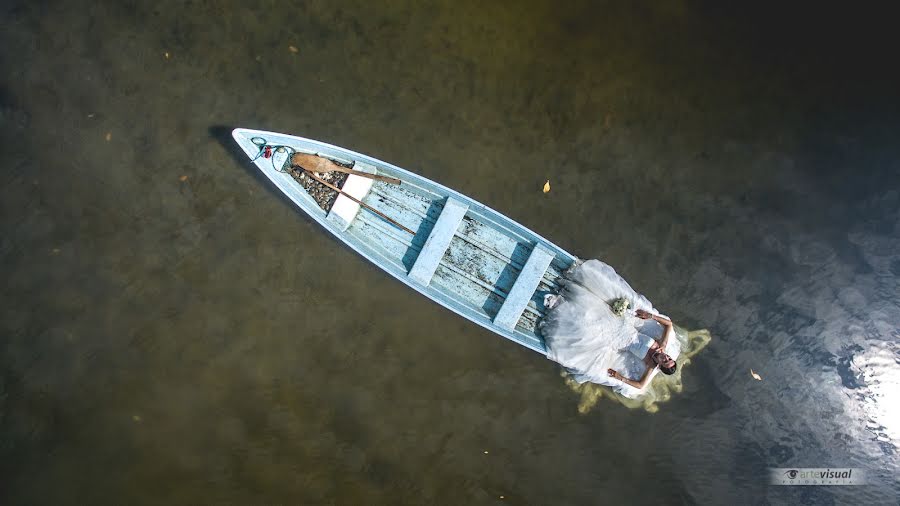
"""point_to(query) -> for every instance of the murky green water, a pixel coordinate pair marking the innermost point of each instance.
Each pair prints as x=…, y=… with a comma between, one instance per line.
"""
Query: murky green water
x=175, y=332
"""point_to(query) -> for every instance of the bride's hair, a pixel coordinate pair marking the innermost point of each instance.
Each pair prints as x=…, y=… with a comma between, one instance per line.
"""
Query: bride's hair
x=668, y=370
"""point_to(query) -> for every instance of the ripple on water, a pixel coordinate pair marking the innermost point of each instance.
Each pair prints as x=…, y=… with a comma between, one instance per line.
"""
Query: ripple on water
x=811, y=253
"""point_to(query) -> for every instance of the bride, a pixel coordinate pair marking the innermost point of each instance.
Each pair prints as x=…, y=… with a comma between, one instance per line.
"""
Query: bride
x=584, y=335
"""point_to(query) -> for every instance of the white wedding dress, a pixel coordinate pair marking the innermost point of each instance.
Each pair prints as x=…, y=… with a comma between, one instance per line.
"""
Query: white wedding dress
x=584, y=335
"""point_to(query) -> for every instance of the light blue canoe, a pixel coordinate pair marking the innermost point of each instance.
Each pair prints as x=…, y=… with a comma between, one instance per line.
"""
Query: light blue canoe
x=464, y=255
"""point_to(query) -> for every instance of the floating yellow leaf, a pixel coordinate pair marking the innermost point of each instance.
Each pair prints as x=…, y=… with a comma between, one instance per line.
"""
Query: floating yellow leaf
x=547, y=186
x=55, y=251
x=136, y=418
x=183, y=178
x=757, y=377
x=108, y=136
x=293, y=49
x=167, y=55
x=485, y=452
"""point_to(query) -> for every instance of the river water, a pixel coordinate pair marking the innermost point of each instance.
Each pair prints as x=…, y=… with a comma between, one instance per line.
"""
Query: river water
x=175, y=332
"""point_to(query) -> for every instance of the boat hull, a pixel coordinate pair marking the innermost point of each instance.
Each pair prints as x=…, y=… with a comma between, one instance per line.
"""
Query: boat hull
x=463, y=255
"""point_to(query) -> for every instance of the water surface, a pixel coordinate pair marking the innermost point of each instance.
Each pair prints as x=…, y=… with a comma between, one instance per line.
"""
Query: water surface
x=175, y=332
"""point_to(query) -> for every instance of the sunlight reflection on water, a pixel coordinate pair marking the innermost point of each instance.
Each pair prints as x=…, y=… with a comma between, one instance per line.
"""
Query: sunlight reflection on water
x=880, y=372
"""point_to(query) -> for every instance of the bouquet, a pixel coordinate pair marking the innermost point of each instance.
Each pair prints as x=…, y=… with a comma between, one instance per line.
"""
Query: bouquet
x=619, y=306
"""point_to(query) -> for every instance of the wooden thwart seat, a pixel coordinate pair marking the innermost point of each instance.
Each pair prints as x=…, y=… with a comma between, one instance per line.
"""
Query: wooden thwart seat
x=438, y=241
x=354, y=186
x=524, y=287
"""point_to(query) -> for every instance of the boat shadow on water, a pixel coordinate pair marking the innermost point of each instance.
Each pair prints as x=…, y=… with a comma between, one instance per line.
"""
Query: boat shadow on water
x=222, y=135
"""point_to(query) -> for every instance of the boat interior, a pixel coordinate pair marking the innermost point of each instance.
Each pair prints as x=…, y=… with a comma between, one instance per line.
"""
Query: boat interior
x=461, y=252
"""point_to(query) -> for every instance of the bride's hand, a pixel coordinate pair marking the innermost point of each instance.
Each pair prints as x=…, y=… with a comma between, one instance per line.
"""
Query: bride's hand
x=643, y=314
x=613, y=373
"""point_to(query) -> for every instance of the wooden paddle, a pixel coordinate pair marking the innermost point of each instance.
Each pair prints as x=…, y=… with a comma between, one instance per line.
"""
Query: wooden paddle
x=322, y=165
x=354, y=199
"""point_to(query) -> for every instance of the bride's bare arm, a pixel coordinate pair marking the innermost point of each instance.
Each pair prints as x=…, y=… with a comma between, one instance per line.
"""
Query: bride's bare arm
x=639, y=384
x=665, y=322
x=667, y=331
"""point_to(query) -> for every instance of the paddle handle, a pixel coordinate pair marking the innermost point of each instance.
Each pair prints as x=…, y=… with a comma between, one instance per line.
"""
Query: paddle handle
x=354, y=199
x=376, y=177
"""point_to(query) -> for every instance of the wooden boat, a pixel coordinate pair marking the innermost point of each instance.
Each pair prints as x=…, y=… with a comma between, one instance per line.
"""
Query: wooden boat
x=460, y=253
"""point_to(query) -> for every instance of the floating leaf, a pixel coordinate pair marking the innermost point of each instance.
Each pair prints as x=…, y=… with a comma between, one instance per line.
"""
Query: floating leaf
x=136, y=418
x=757, y=377
x=108, y=136
x=167, y=55
x=547, y=186
x=293, y=49
x=183, y=178
x=485, y=452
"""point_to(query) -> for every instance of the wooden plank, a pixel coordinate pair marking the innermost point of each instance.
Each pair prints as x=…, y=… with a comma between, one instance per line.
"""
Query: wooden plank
x=355, y=186
x=495, y=241
x=438, y=241
x=524, y=287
